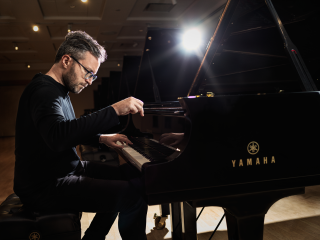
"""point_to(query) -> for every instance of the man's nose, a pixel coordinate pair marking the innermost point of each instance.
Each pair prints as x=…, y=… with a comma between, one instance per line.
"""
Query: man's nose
x=89, y=81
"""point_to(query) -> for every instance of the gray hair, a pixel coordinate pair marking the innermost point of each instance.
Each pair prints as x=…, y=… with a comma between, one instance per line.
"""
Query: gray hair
x=79, y=42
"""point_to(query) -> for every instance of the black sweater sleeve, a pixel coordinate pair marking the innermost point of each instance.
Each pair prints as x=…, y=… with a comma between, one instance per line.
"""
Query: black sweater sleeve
x=48, y=110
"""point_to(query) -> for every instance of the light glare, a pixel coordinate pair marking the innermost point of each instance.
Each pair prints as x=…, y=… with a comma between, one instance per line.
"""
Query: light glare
x=35, y=28
x=83, y=0
x=191, y=39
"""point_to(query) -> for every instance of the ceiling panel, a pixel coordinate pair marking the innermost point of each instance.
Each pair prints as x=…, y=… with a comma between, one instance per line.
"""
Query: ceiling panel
x=139, y=13
x=27, y=10
x=49, y=8
x=42, y=46
x=10, y=46
x=60, y=31
x=11, y=31
x=117, y=11
x=57, y=44
x=6, y=8
x=133, y=31
x=42, y=34
x=71, y=8
x=3, y=59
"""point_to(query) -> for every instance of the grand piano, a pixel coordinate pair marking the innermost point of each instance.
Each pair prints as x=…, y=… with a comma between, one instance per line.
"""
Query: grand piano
x=250, y=117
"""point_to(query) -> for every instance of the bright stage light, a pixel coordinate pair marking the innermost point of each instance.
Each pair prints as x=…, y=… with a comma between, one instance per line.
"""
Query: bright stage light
x=191, y=40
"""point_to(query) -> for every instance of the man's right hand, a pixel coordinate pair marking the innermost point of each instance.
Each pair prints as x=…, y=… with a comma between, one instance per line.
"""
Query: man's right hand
x=128, y=105
x=171, y=139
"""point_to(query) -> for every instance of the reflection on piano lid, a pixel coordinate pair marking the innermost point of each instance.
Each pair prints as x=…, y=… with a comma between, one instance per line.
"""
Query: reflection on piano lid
x=166, y=70
x=251, y=51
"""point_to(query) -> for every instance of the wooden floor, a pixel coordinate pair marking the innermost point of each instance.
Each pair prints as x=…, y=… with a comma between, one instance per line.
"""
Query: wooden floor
x=292, y=218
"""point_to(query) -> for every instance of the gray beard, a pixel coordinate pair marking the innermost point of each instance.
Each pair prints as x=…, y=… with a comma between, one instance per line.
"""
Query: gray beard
x=69, y=80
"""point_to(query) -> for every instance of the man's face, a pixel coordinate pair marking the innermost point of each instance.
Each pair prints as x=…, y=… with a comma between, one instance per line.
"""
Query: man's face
x=74, y=79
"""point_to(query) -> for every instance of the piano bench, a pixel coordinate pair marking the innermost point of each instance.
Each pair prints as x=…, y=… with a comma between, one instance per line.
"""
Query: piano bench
x=18, y=223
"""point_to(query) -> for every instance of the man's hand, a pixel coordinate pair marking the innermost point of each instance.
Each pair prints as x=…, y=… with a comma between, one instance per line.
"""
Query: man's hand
x=111, y=140
x=128, y=105
x=171, y=139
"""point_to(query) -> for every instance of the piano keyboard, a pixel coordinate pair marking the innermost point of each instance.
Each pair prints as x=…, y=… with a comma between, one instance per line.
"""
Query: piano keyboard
x=146, y=150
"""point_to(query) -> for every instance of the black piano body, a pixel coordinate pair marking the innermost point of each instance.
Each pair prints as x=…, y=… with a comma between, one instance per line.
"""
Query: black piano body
x=255, y=141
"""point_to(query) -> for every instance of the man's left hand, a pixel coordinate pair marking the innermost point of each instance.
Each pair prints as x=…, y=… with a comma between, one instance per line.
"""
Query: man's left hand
x=112, y=139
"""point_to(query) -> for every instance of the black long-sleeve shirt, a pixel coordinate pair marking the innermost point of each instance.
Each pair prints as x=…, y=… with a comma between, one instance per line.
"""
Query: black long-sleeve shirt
x=47, y=133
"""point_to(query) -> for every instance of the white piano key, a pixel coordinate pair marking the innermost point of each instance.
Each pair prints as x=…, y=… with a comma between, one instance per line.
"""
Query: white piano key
x=133, y=156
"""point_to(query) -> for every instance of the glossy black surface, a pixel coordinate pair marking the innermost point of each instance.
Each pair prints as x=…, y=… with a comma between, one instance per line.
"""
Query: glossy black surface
x=251, y=54
x=173, y=67
x=151, y=150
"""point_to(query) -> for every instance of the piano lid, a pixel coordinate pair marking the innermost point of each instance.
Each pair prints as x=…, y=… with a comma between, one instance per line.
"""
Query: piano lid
x=166, y=70
x=130, y=69
x=251, y=51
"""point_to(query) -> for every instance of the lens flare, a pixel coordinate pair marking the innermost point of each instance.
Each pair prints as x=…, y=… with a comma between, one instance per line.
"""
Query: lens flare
x=191, y=40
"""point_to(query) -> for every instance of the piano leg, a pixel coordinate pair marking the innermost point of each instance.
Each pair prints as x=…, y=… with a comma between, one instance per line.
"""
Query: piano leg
x=245, y=228
x=183, y=221
x=164, y=209
x=245, y=213
x=175, y=221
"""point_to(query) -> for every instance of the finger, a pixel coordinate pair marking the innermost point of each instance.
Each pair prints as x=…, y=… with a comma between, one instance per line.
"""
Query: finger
x=116, y=146
x=139, y=107
x=141, y=112
x=163, y=135
x=174, y=143
x=125, y=139
x=128, y=141
x=165, y=139
x=133, y=109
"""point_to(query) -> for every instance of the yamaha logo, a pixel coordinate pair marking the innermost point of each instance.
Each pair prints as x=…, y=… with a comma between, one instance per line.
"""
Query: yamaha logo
x=34, y=236
x=253, y=148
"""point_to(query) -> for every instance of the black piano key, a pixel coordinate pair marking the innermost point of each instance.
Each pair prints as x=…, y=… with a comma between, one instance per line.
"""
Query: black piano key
x=151, y=150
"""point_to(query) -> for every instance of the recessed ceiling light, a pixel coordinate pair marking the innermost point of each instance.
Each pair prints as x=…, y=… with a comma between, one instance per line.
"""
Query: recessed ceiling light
x=35, y=28
x=28, y=66
x=118, y=64
x=83, y=0
x=16, y=46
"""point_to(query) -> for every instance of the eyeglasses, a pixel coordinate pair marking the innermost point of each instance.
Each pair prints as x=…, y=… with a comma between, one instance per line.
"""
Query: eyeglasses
x=89, y=74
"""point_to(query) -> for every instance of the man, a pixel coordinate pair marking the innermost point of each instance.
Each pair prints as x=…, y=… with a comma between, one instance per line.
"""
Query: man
x=48, y=172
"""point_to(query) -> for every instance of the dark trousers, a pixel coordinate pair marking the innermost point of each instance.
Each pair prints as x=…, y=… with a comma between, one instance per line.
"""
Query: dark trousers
x=106, y=190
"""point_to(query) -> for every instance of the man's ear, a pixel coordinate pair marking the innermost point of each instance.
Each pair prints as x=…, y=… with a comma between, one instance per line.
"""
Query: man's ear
x=65, y=61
